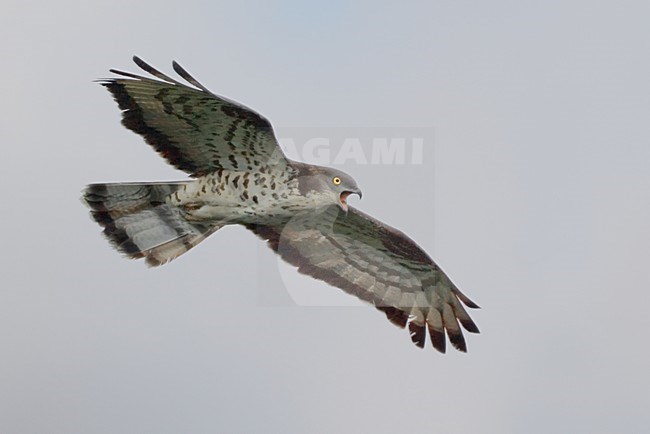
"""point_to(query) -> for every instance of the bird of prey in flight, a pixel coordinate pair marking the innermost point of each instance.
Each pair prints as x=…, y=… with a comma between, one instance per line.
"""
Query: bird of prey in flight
x=239, y=175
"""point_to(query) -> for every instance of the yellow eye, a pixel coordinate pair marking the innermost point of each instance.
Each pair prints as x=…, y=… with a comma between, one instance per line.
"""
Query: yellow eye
x=336, y=180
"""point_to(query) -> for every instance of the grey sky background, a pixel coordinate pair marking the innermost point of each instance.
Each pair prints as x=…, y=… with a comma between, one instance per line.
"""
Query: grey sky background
x=538, y=210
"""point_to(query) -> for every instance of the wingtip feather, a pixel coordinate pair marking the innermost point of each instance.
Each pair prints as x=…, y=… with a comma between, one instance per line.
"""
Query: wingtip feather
x=395, y=315
x=457, y=340
x=438, y=340
x=418, y=334
x=469, y=325
x=188, y=77
x=466, y=300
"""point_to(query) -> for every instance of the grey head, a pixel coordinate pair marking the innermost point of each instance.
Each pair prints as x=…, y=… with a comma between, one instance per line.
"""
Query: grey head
x=326, y=185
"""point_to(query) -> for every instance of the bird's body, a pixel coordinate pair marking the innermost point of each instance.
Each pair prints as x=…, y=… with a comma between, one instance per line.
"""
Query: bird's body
x=240, y=176
x=240, y=196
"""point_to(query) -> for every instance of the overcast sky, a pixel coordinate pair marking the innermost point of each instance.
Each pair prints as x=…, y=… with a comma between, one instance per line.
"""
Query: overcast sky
x=533, y=193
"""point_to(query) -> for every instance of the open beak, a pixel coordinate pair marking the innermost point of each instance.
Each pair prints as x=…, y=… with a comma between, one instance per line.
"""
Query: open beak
x=343, y=198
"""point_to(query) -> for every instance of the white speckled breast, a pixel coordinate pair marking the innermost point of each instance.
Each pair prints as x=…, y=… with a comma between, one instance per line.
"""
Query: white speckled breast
x=240, y=195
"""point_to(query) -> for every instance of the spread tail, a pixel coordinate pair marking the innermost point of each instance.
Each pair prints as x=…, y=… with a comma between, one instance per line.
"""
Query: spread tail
x=139, y=224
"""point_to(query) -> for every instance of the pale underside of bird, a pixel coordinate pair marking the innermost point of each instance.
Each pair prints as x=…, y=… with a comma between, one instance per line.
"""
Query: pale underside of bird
x=239, y=175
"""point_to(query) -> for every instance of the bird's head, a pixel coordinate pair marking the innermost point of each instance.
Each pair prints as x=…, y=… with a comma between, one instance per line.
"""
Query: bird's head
x=342, y=186
x=329, y=186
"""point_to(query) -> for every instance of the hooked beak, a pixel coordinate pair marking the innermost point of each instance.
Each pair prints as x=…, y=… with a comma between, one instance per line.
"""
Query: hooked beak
x=343, y=198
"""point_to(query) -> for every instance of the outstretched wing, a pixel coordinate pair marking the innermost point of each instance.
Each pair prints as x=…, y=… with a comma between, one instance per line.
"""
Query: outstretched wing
x=195, y=130
x=378, y=264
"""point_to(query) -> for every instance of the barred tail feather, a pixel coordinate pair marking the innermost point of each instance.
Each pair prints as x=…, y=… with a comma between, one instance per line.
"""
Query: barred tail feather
x=165, y=252
x=139, y=224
